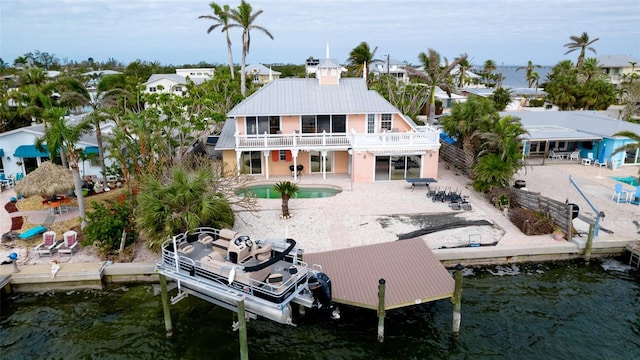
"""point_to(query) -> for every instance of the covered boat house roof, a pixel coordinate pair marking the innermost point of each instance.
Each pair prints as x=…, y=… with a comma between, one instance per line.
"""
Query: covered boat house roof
x=412, y=273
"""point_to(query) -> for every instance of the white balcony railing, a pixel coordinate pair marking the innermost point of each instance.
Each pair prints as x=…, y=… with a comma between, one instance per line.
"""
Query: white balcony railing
x=424, y=139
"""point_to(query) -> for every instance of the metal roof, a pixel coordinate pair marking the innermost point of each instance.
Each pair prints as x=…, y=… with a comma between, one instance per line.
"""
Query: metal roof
x=612, y=61
x=179, y=79
x=260, y=69
x=592, y=124
x=307, y=97
x=412, y=273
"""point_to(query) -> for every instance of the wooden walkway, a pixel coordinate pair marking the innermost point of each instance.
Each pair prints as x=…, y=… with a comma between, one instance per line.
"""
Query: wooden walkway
x=412, y=273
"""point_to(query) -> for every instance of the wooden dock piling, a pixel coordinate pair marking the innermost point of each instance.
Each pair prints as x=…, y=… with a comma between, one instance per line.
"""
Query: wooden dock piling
x=457, y=300
x=381, y=313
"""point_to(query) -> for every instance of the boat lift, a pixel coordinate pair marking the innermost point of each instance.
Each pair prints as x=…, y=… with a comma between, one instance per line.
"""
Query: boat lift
x=600, y=214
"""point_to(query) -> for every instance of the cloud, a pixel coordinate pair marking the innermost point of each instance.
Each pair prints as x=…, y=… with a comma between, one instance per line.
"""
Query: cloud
x=170, y=31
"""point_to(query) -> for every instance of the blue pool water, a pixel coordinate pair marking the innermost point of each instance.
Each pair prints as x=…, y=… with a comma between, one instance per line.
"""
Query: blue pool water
x=629, y=180
x=267, y=192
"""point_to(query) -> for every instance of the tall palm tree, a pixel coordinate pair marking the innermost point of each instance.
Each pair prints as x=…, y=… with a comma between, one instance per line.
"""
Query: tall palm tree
x=436, y=74
x=360, y=57
x=463, y=67
x=221, y=18
x=581, y=42
x=67, y=136
x=287, y=189
x=245, y=18
x=628, y=147
x=530, y=69
x=74, y=93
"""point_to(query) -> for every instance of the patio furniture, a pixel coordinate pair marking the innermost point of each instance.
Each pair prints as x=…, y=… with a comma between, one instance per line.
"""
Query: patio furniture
x=574, y=155
x=32, y=232
x=69, y=243
x=414, y=181
x=635, y=197
x=48, y=245
x=620, y=195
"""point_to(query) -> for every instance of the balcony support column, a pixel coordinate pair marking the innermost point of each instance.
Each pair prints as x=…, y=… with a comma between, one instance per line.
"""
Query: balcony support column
x=265, y=153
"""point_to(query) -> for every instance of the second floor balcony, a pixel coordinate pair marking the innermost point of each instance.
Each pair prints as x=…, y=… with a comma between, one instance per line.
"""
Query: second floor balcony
x=422, y=140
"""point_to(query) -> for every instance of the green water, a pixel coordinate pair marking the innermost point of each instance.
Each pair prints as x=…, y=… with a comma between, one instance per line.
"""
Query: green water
x=548, y=311
x=267, y=192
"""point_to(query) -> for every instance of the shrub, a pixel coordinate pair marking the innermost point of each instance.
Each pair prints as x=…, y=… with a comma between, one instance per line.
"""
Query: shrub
x=531, y=222
x=536, y=102
x=105, y=225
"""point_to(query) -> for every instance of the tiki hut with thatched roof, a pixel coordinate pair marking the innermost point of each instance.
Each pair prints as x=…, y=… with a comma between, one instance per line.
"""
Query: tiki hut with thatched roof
x=49, y=179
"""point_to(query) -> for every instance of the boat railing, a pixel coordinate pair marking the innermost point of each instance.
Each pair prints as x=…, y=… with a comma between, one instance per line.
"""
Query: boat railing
x=207, y=272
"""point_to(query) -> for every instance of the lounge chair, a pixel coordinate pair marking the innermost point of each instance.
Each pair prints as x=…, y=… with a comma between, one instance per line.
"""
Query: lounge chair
x=32, y=232
x=48, y=245
x=619, y=195
x=69, y=243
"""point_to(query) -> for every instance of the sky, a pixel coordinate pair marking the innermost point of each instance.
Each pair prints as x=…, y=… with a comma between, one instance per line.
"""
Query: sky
x=509, y=32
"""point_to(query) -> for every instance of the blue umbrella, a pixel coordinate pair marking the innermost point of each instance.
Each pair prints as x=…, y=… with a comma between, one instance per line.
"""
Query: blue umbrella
x=602, y=151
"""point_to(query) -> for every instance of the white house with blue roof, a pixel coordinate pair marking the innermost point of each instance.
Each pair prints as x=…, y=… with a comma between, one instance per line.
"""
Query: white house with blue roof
x=19, y=156
x=582, y=131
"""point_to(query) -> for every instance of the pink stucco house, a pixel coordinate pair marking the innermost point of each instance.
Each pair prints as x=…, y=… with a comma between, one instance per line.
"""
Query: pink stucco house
x=328, y=125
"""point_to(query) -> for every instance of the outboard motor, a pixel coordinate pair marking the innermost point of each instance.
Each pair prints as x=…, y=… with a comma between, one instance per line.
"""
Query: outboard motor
x=320, y=286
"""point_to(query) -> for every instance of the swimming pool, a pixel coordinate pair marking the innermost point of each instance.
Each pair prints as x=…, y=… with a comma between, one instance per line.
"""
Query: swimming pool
x=266, y=191
x=629, y=180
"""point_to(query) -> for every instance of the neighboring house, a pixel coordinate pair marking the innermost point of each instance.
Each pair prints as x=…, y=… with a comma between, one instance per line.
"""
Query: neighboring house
x=391, y=67
x=327, y=125
x=18, y=154
x=260, y=74
x=176, y=83
x=311, y=65
x=582, y=131
x=619, y=67
x=519, y=96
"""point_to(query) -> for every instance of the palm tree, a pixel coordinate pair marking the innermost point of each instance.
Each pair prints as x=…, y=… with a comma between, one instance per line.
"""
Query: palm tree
x=581, y=42
x=436, y=74
x=221, y=18
x=500, y=157
x=360, y=57
x=67, y=136
x=463, y=67
x=245, y=19
x=185, y=202
x=287, y=189
x=487, y=68
x=589, y=70
x=628, y=147
x=465, y=120
x=535, y=78
x=501, y=97
x=76, y=94
x=529, y=71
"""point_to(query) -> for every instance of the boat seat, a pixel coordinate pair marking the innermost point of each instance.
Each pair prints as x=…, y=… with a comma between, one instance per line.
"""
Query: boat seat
x=262, y=253
x=206, y=240
x=185, y=248
x=226, y=234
